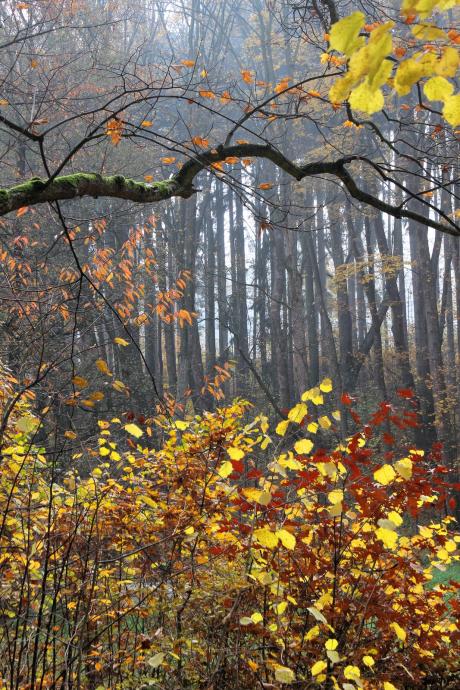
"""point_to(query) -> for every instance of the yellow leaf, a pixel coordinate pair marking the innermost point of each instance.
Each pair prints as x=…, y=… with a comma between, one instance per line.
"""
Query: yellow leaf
x=312, y=427
x=181, y=425
x=282, y=427
x=134, y=430
x=281, y=607
x=388, y=537
x=318, y=668
x=225, y=469
x=344, y=34
x=324, y=422
x=331, y=644
x=400, y=632
x=368, y=661
x=312, y=633
x=303, y=447
x=257, y=617
x=235, y=453
x=335, y=510
x=284, y=675
x=384, y=475
x=365, y=99
x=340, y=90
x=389, y=686
x=102, y=366
x=266, y=538
x=335, y=496
x=148, y=501
x=438, y=89
x=79, y=381
x=447, y=66
x=451, y=110
x=351, y=672
x=427, y=32
x=326, y=385
x=121, y=341
x=408, y=73
x=404, y=468
x=395, y=518
x=286, y=538
x=315, y=395
x=263, y=498
x=297, y=413
x=70, y=434
x=381, y=75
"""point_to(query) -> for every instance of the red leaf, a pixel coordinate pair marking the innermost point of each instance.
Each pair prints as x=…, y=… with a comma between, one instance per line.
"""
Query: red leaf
x=238, y=465
x=388, y=439
x=405, y=392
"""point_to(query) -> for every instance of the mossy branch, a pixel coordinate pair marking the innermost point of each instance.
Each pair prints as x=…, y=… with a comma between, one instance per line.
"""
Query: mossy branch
x=38, y=191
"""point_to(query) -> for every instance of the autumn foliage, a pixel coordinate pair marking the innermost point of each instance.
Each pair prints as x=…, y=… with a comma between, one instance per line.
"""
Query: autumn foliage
x=212, y=553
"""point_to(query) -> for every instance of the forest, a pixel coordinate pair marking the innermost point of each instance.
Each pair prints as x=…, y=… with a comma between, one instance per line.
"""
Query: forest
x=229, y=344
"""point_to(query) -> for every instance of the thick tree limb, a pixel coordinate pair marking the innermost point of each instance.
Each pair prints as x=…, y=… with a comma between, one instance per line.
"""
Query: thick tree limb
x=38, y=191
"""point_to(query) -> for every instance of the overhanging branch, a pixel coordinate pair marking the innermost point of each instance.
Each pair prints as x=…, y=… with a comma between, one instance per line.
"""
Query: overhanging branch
x=38, y=191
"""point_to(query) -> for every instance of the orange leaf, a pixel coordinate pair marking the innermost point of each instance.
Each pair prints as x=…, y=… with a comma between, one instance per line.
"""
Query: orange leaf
x=199, y=141
x=265, y=185
x=146, y=123
x=168, y=160
x=114, y=131
x=283, y=85
x=246, y=76
x=188, y=63
x=21, y=211
x=206, y=94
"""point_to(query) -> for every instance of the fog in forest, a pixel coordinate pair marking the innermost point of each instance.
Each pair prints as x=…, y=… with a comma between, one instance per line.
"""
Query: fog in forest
x=230, y=344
